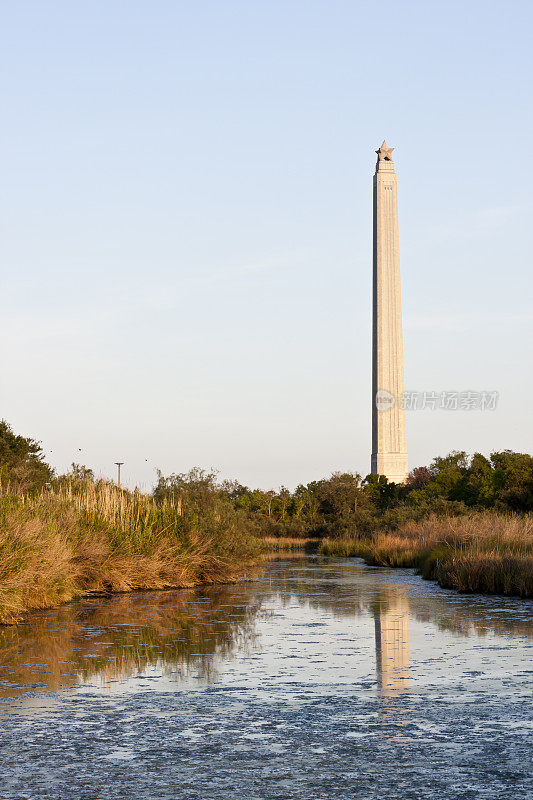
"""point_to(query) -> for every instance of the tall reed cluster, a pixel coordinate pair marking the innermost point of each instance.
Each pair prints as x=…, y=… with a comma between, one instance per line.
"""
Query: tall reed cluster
x=274, y=544
x=480, y=552
x=81, y=537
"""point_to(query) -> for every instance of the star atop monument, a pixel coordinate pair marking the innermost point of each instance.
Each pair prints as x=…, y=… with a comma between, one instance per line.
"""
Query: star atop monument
x=384, y=152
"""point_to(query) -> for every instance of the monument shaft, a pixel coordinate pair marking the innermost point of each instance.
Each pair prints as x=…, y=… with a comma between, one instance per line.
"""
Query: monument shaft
x=389, y=447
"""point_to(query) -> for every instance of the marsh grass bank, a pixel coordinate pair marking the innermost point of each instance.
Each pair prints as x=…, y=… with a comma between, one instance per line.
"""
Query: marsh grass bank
x=464, y=521
x=82, y=537
x=281, y=544
x=482, y=552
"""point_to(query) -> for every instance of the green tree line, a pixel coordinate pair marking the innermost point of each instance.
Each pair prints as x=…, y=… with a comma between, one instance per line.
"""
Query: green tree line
x=342, y=505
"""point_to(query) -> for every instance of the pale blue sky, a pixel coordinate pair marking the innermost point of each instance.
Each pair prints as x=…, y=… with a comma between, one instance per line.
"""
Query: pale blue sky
x=186, y=215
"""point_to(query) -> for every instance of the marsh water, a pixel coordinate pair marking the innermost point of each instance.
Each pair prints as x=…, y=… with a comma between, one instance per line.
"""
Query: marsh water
x=319, y=678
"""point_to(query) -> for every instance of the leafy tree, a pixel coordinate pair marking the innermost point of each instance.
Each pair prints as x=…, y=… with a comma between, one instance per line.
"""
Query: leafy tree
x=339, y=496
x=196, y=490
x=81, y=472
x=478, y=489
x=384, y=495
x=284, y=498
x=513, y=480
x=22, y=463
x=419, y=478
x=449, y=475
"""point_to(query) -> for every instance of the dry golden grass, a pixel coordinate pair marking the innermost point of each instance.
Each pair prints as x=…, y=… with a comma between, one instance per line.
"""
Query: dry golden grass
x=85, y=538
x=482, y=552
x=280, y=543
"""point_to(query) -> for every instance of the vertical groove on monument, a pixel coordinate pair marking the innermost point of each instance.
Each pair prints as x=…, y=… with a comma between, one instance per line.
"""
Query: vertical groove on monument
x=389, y=446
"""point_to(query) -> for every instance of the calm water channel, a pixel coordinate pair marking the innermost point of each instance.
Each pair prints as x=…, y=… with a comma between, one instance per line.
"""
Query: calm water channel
x=321, y=678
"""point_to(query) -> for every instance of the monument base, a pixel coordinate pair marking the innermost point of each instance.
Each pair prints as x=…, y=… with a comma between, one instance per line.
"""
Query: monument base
x=392, y=465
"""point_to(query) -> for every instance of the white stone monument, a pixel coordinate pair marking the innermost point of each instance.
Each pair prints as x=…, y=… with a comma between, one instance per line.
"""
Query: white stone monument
x=389, y=447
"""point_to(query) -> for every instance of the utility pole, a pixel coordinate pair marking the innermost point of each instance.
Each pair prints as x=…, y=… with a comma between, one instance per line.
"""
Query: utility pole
x=119, y=464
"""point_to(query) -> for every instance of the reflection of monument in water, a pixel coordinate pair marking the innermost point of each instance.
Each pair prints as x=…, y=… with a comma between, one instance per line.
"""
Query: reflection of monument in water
x=392, y=646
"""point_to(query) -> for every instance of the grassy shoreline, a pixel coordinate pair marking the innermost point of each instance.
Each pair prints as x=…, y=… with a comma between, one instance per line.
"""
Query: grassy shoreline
x=286, y=544
x=465, y=521
x=484, y=552
x=84, y=538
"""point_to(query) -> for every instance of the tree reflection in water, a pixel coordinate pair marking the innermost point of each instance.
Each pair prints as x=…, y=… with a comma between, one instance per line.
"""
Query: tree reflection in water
x=112, y=639
x=185, y=634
